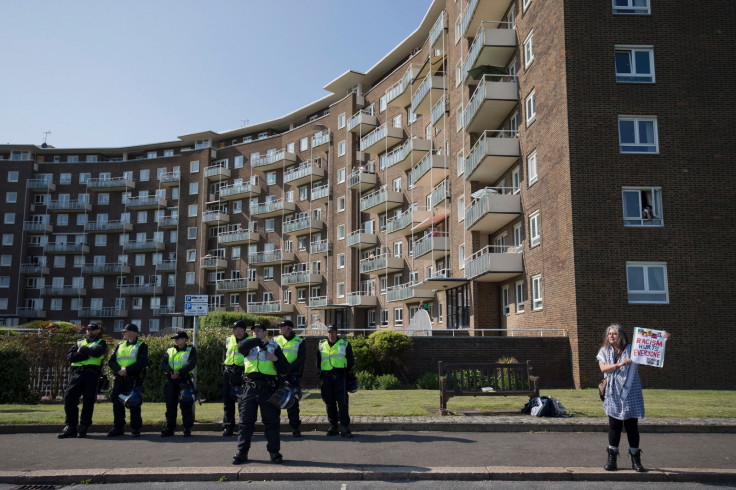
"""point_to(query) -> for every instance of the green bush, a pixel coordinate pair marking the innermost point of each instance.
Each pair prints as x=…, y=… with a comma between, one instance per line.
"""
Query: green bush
x=15, y=382
x=366, y=379
x=428, y=381
x=387, y=382
x=390, y=350
x=364, y=359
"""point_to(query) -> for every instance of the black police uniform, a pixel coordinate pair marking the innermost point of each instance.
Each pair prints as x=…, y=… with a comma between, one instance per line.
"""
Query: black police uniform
x=335, y=393
x=172, y=390
x=126, y=384
x=294, y=377
x=83, y=382
x=232, y=375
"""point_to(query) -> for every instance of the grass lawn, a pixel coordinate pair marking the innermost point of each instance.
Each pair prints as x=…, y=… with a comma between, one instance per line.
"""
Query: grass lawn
x=581, y=403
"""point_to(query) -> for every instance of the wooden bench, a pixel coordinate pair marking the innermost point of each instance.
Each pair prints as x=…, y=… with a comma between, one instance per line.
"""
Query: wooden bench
x=485, y=379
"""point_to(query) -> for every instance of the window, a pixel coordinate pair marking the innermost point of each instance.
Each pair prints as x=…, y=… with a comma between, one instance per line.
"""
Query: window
x=341, y=121
x=7, y=239
x=341, y=204
x=529, y=50
x=505, y=301
x=238, y=161
x=103, y=198
x=145, y=175
x=191, y=255
x=396, y=184
x=634, y=64
x=459, y=72
x=382, y=103
x=65, y=179
x=517, y=235
x=270, y=225
x=9, y=218
x=192, y=233
x=192, y=210
x=142, y=217
x=531, y=112
x=304, y=144
x=636, y=7
x=637, y=135
x=460, y=162
x=271, y=178
x=194, y=166
x=534, y=231
x=461, y=208
x=398, y=317
x=515, y=180
x=459, y=118
x=341, y=175
x=398, y=249
x=340, y=261
x=190, y=278
x=461, y=256
x=6, y=260
x=396, y=121
x=193, y=188
x=520, y=297
x=384, y=317
x=84, y=177
x=531, y=166
x=340, y=291
x=268, y=273
x=101, y=240
x=62, y=220
x=341, y=232
x=642, y=206
x=525, y=4
x=13, y=176
x=458, y=27
x=11, y=197
x=647, y=282
x=537, y=292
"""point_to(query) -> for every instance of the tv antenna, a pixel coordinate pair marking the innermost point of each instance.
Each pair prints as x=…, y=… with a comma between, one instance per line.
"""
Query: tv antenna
x=46, y=135
x=244, y=122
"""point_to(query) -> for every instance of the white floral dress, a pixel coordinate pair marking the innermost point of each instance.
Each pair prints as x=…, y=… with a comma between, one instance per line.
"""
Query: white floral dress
x=617, y=404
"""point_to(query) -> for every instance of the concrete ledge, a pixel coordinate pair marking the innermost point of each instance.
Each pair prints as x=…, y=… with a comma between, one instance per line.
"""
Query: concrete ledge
x=170, y=474
x=528, y=473
x=258, y=472
x=52, y=477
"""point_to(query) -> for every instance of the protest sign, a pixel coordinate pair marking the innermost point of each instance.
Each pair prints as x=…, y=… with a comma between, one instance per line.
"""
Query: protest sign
x=648, y=347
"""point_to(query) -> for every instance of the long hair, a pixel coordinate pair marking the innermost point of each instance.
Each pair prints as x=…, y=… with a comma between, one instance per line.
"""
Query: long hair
x=623, y=339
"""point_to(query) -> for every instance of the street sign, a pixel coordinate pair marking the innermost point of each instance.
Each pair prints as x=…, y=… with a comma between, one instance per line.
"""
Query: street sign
x=195, y=305
x=195, y=298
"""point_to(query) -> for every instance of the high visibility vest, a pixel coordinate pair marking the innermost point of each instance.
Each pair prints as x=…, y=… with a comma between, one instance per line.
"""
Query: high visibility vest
x=232, y=356
x=178, y=359
x=290, y=348
x=256, y=362
x=333, y=357
x=127, y=354
x=91, y=361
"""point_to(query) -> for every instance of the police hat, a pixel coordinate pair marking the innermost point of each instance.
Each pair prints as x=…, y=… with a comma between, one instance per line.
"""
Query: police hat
x=92, y=326
x=180, y=335
x=332, y=327
x=239, y=324
x=287, y=323
x=131, y=327
x=258, y=325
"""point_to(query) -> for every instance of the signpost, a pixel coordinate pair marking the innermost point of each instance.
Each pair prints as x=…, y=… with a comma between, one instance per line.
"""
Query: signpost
x=195, y=305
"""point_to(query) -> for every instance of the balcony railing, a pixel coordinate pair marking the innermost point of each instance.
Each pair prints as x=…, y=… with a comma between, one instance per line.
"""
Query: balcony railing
x=142, y=289
x=437, y=242
x=492, y=155
x=215, y=218
x=321, y=138
x=408, y=293
x=430, y=171
x=269, y=307
x=494, y=263
x=440, y=109
x=217, y=171
x=271, y=257
x=363, y=117
x=398, y=93
x=320, y=192
x=303, y=223
x=319, y=247
x=275, y=158
x=493, y=99
x=147, y=202
x=305, y=172
x=372, y=141
x=437, y=28
x=108, y=227
x=361, y=239
x=168, y=221
x=272, y=208
x=113, y=184
x=69, y=206
x=164, y=310
x=492, y=46
x=406, y=155
x=235, y=191
x=166, y=266
x=241, y=284
x=30, y=312
x=170, y=178
x=420, y=101
x=66, y=248
x=34, y=269
x=492, y=209
x=37, y=227
x=144, y=246
x=301, y=277
x=379, y=197
x=104, y=269
x=482, y=10
x=317, y=301
x=44, y=185
x=440, y=193
x=109, y=312
x=65, y=291
x=365, y=299
x=236, y=236
x=380, y=263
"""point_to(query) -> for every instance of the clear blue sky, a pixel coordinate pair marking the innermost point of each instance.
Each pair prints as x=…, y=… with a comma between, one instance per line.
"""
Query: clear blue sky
x=101, y=73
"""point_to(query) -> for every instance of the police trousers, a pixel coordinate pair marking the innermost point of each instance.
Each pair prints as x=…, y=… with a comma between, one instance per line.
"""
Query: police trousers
x=230, y=377
x=253, y=398
x=335, y=395
x=172, y=388
x=82, y=382
x=124, y=385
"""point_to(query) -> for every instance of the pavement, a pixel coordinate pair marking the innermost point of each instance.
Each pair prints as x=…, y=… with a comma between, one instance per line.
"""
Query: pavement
x=459, y=448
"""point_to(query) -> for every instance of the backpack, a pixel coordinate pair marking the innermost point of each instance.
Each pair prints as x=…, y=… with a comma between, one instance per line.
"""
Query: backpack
x=544, y=406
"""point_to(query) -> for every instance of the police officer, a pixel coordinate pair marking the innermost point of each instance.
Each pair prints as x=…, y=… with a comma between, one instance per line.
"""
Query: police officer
x=263, y=362
x=334, y=361
x=178, y=363
x=128, y=362
x=85, y=357
x=293, y=348
x=232, y=375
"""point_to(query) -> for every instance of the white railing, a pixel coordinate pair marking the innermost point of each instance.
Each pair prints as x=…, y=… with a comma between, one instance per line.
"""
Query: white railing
x=268, y=207
x=374, y=198
x=303, y=170
x=320, y=192
x=427, y=243
x=437, y=28
x=439, y=109
x=318, y=247
x=478, y=151
x=356, y=118
x=321, y=139
x=373, y=137
x=480, y=261
x=480, y=95
x=399, y=87
x=478, y=44
x=234, y=189
x=269, y=159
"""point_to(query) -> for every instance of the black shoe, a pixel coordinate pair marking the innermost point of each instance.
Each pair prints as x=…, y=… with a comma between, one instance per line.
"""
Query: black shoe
x=611, y=461
x=69, y=431
x=345, y=432
x=114, y=432
x=636, y=461
x=135, y=433
x=167, y=432
x=333, y=431
x=296, y=433
x=187, y=432
x=227, y=432
x=240, y=458
x=82, y=433
x=276, y=458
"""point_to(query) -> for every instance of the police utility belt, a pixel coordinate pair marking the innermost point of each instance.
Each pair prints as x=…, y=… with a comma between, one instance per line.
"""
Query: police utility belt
x=88, y=367
x=260, y=381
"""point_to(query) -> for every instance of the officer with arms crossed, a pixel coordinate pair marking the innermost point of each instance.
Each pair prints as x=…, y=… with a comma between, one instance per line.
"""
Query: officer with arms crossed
x=293, y=348
x=263, y=362
x=85, y=357
x=334, y=361
x=178, y=363
x=232, y=376
x=128, y=362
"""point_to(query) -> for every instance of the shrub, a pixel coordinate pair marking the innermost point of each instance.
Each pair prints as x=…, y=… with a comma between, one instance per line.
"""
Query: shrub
x=364, y=359
x=428, y=381
x=390, y=350
x=16, y=379
x=366, y=379
x=387, y=382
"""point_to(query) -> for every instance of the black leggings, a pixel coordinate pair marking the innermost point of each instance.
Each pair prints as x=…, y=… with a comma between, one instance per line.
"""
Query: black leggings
x=614, y=431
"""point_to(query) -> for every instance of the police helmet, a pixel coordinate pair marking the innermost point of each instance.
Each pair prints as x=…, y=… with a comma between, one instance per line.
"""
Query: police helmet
x=353, y=385
x=134, y=399
x=283, y=398
x=186, y=397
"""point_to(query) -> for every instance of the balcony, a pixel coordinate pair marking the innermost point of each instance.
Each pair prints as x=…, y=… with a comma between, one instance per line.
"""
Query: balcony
x=305, y=172
x=274, y=161
x=168, y=222
x=435, y=243
x=407, y=155
x=398, y=95
x=215, y=218
x=381, y=264
x=108, y=227
x=408, y=293
x=363, y=299
x=427, y=94
x=428, y=223
x=272, y=209
x=435, y=34
x=237, y=237
x=381, y=139
x=218, y=171
x=440, y=194
x=164, y=311
x=140, y=289
x=495, y=97
x=34, y=269
x=360, y=240
x=494, y=263
x=145, y=202
x=66, y=248
x=491, y=210
x=407, y=221
x=316, y=301
x=430, y=171
x=40, y=185
x=231, y=285
x=112, y=268
x=381, y=200
x=274, y=257
x=36, y=227
x=144, y=246
x=30, y=313
x=320, y=192
x=361, y=180
x=440, y=111
x=491, y=156
x=269, y=307
x=482, y=10
x=492, y=47
x=302, y=225
x=166, y=266
x=63, y=291
x=170, y=179
x=109, y=185
x=320, y=247
x=321, y=138
x=239, y=191
x=302, y=278
x=69, y=207
x=110, y=312
x=362, y=121
x=211, y=263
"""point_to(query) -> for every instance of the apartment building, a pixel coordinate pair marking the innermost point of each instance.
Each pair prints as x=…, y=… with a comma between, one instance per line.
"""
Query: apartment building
x=515, y=167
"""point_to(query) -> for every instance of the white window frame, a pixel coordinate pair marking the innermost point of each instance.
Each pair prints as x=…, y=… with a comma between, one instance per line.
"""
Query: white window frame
x=633, y=76
x=341, y=204
x=537, y=293
x=506, y=300
x=647, y=295
x=531, y=167
x=630, y=8
x=637, y=147
x=519, y=296
x=341, y=148
x=654, y=198
x=535, y=233
x=398, y=316
x=530, y=111
x=529, y=50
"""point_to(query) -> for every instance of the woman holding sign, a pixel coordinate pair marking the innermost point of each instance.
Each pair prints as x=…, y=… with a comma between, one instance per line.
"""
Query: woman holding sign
x=623, y=403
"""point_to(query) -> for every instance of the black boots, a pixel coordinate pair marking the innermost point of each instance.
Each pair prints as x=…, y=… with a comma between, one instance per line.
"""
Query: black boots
x=611, y=463
x=636, y=460
x=69, y=431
